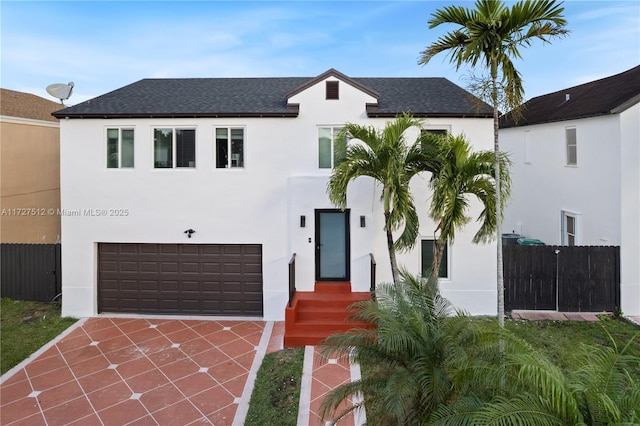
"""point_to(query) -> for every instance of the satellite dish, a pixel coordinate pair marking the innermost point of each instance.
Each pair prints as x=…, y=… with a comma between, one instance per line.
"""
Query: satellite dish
x=60, y=90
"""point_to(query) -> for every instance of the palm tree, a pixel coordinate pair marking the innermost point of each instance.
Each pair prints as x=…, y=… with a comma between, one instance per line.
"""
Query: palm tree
x=385, y=156
x=425, y=363
x=460, y=173
x=492, y=34
x=407, y=354
x=529, y=389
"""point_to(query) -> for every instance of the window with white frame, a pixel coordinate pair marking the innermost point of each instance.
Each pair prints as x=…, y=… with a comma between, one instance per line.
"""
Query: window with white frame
x=119, y=148
x=174, y=148
x=427, y=256
x=569, y=228
x=327, y=137
x=572, y=146
x=229, y=147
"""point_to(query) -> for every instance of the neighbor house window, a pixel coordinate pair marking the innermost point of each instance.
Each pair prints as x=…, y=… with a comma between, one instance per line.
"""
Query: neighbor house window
x=427, y=259
x=569, y=228
x=174, y=148
x=572, y=146
x=119, y=148
x=327, y=137
x=333, y=90
x=229, y=147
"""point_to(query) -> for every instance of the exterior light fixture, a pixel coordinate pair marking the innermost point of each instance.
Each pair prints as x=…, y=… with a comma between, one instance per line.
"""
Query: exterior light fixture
x=363, y=222
x=189, y=232
x=303, y=221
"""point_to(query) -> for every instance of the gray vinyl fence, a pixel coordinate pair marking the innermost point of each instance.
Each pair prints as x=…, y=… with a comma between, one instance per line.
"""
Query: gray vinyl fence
x=561, y=278
x=30, y=271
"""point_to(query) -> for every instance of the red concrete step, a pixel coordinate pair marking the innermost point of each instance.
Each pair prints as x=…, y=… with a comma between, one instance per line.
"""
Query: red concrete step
x=315, y=315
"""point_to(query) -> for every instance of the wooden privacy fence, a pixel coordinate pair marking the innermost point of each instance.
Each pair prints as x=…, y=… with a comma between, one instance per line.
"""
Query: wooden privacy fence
x=562, y=278
x=30, y=271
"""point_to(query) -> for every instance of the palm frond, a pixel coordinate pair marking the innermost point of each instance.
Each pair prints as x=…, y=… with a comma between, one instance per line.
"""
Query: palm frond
x=521, y=410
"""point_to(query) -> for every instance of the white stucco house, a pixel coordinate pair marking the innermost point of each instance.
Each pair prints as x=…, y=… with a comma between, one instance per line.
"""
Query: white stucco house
x=190, y=196
x=576, y=171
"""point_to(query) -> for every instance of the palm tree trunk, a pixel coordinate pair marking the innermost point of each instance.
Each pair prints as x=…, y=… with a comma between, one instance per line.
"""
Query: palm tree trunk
x=496, y=160
x=386, y=200
x=438, y=249
x=392, y=251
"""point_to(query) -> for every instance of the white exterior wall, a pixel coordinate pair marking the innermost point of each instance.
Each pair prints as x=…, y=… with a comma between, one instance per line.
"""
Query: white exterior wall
x=545, y=186
x=630, y=211
x=259, y=204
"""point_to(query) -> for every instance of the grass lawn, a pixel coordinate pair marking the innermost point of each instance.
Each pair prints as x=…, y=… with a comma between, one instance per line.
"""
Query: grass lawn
x=560, y=340
x=25, y=327
x=277, y=389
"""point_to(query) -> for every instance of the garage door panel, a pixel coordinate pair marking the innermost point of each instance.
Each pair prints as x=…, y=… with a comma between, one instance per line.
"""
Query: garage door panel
x=190, y=267
x=147, y=266
x=108, y=266
x=190, y=249
x=168, y=249
x=169, y=287
x=128, y=249
x=168, y=267
x=211, y=249
x=196, y=279
x=151, y=249
x=211, y=268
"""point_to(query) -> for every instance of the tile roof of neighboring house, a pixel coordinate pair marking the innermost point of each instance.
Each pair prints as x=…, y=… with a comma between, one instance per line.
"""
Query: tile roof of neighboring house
x=26, y=105
x=609, y=95
x=255, y=97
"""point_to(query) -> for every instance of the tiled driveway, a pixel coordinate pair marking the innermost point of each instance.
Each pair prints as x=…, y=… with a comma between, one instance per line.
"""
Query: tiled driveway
x=124, y=371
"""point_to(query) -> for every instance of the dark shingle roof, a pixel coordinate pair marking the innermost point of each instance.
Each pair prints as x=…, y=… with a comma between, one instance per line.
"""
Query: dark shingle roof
x=255, y=97
x=601, y=97
x=26, y=105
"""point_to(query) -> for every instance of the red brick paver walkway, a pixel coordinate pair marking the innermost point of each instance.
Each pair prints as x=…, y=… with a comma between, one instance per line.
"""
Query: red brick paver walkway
x=319, y=377
x=124, y=371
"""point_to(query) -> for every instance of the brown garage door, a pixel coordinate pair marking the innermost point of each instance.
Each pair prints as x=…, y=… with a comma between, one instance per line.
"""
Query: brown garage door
x=215, y=279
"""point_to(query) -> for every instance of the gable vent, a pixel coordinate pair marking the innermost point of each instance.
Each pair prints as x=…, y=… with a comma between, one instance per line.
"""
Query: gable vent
x=333, y=90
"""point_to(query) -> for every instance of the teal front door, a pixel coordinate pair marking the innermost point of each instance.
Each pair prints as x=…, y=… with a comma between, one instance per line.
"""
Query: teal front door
x=332, y=245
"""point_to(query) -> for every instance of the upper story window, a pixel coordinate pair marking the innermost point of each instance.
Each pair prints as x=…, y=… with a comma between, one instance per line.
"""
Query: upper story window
x=333, y=90
x=326, y=146
x=229, y=147
x=119, y=148
x=572, y=146
x=174, y=147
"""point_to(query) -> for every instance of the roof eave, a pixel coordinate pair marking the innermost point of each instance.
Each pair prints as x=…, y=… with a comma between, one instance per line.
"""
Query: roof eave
x=293, y=112
x=417, y=114
x=557, y=120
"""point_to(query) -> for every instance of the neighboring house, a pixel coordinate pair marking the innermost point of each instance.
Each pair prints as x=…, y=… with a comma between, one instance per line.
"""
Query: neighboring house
x=190, y=196
x=30, y=169
x=575, y=172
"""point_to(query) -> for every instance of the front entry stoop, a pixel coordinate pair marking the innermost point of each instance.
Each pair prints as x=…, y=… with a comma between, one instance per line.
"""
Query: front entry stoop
x=315, y=315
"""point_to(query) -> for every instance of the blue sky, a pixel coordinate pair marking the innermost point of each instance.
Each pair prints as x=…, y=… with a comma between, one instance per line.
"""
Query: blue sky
x=102, y=46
